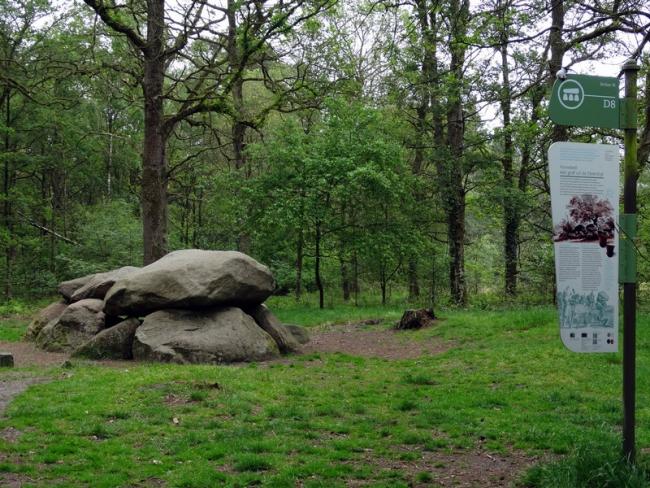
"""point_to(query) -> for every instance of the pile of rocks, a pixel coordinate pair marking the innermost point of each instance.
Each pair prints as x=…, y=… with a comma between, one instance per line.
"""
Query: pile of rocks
x=191, y=306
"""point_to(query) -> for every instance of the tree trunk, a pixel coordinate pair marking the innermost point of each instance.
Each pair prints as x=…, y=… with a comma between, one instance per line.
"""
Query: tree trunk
x=6, y=208
x=558, y=48
x=319, y=282
x=299, y=264
x=454, y=169
x=432, y=297
x=344, y=265
x=238, y=129
x=355, y=277
x=510, y=210
x=154, y=163
x=109, y=159
x=418, y=163
x=427, y=103
x=414, y=286
x=345, y=278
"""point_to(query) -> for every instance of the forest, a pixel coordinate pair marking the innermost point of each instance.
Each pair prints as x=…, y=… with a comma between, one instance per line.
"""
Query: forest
x=362, y=150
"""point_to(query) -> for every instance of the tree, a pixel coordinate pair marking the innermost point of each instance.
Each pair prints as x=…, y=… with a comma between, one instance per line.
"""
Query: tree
x=201, y=37
x=339, y=188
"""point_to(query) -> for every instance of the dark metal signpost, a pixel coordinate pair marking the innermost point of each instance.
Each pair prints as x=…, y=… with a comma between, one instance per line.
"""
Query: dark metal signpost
x=593, y=101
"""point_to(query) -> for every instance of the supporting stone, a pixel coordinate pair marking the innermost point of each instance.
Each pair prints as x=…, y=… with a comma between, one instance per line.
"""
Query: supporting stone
x=6, y=360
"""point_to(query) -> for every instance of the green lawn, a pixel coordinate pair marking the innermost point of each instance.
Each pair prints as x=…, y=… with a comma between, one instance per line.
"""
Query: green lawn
x=13, y=329
x=507, y=385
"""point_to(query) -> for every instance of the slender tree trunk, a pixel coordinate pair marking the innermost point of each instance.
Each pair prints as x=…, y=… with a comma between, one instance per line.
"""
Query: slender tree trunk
x=154, y=163
x=414, y=286
x=355, y=277
x=54, y=206
x=345, y=278
x=344, y=265
x=432, y=296
x=319, y=281
x=109, y=159
x=426, y=15
x=510, y=211
x=454, y=170
x=6, y=208
x=238, y=128
x=299, y=264
x=416, y=168
x=558, y=48
x=198, y=224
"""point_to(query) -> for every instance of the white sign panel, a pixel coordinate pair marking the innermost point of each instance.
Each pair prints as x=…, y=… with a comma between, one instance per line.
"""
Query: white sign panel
x=584, y=199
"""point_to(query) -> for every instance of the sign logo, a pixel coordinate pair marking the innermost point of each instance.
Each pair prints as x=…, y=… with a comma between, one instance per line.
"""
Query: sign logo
x=571, y=94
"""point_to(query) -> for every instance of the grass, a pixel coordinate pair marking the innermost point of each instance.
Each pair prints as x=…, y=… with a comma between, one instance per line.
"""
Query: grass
x=15, y=315
x=328, y=419
x=13, y=329
x=306, y=313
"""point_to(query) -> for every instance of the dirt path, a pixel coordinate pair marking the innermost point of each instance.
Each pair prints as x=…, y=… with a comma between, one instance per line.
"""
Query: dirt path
x=27, y=354
x=10, y=388
x=357, y=340
x=460, y=469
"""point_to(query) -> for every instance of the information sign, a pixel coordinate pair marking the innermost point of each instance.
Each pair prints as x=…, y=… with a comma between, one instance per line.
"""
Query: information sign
x=584, y=200
x=586, y=101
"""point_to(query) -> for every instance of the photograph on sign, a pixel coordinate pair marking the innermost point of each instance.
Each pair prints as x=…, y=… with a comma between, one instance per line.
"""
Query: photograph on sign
x=584, y=199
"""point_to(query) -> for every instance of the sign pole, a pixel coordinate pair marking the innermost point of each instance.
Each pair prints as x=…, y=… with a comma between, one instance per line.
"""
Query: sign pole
x=631, y=170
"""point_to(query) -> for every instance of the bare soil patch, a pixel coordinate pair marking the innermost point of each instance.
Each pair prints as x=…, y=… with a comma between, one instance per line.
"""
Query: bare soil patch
x=27, y=354
x=356, y=340
x=14, y=480
x=10, y=434
x=460, y=469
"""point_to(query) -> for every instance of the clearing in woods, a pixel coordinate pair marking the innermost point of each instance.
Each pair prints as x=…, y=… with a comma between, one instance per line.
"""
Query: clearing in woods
x=475, y=400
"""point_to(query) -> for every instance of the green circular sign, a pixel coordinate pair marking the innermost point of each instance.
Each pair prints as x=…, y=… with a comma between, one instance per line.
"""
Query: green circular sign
x=571, y=94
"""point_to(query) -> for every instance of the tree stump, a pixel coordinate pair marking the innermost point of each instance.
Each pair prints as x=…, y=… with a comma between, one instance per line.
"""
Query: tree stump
x=6, y=360
x=416, y=319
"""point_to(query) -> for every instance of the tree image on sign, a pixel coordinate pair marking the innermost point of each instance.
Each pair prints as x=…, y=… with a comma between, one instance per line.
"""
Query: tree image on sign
x=589, y=219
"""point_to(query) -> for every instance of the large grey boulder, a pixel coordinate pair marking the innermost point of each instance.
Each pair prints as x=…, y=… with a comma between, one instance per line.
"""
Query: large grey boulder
x=266, y=320
x=191, y=279
x=67, y=288
x=52, y=312
x=113, y=343
x=76, y=325
x=100, y=283
x=223, y=335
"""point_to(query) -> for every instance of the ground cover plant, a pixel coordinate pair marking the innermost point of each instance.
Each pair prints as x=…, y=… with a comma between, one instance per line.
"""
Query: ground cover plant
x=503, y=388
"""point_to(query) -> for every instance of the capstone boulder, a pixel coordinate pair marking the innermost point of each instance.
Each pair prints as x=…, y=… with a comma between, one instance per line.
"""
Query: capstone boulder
x=191, y=279
x=100, y=283
x=67, y=288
